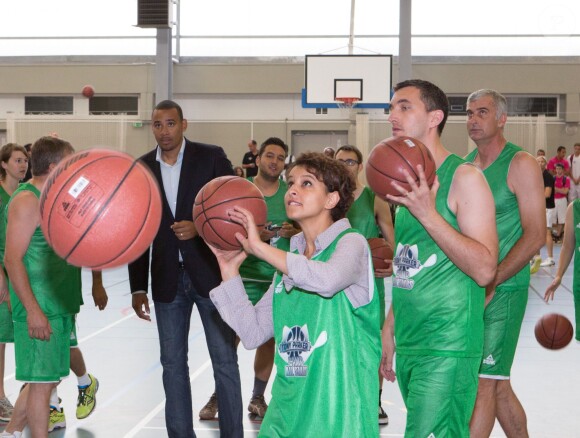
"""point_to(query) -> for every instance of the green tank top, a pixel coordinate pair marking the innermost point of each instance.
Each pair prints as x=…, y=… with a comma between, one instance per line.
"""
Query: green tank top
x=327, y=357
x=56, y=284
x=576, y=277
x=253, y=268
x=438, y=309
x=4, y=198
x=507, y=213
x=361, y=214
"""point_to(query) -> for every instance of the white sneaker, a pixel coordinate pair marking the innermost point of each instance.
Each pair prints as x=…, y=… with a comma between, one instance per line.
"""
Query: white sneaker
x=548, y=262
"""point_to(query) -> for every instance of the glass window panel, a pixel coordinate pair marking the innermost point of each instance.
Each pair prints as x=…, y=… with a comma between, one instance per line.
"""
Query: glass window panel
x=48, y=105
x=115, y=105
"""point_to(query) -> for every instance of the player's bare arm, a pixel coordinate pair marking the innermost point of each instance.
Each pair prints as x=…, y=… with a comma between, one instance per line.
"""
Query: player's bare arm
x=23, y=219
x=566, y=253
x=526, y=182
x=473, y=250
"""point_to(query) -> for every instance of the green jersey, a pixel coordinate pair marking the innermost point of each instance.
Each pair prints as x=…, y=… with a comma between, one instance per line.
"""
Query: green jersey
x=576, y=278
x=253, y=268
x=438, y=308
x=361, y=214
x=4, y=198
x=507, y=213
x=326, y=363
x=56, y=284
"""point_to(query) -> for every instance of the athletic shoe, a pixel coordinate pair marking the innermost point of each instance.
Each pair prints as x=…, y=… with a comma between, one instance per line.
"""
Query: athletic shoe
x=6, y=409
x=87, y=398
x=210, y=410
x=258, y=406
x=535, y=265
x=383, y=417
x=548, y=262
x=57, y=419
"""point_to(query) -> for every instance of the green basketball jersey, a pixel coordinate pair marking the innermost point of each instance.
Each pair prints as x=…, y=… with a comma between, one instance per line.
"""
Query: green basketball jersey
x=576, y=277
x=438, y=309
x=253, y=268
x=4, y=198
x=327, y=357
x=56, y=284
x=507, y=213
x=361, y=214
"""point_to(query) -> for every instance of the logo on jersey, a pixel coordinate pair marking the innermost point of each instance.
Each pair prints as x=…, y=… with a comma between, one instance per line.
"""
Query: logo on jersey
x=407, y=264
x=489, y=360
x=296, y=348
x=279, y=287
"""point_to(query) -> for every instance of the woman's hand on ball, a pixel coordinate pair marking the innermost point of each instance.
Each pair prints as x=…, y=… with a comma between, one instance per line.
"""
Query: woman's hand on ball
x=246, y=219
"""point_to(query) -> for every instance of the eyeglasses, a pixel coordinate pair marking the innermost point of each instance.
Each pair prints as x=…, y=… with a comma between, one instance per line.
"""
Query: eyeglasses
x=349, y=162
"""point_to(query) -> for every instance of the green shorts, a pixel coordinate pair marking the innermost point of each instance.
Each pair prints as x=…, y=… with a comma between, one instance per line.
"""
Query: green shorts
x=502, y=323
x=74, y=341
x=577, y=312
x=43, y=361
x=6, y=324
x=439, y=394
x=256, y=289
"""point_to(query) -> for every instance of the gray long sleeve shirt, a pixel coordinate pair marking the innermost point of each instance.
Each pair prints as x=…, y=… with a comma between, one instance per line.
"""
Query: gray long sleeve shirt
x=347, y=269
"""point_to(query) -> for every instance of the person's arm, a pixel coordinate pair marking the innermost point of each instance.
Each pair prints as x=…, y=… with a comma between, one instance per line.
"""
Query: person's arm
x=23, y=219
x=253, y=324
x=99, y=293
x=525, y=181
x=246, y=163
x=474, y=249
x=385, y=223
x=564, y=189
x=566, y=253
x=388, y=343
x=547, y=192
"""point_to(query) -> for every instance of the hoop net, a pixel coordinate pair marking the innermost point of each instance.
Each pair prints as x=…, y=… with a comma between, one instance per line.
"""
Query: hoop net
x=347, y=102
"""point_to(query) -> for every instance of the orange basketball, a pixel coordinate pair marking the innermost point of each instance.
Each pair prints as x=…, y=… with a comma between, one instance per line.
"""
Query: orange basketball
x=88, y=91
x=554, y=331
x=100, y=209
x=391, y=157
x=380, y=251
x=212, y=204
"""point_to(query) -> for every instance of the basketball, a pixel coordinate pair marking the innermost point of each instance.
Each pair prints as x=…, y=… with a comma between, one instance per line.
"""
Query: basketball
x=380, y=250
x=554, y=331
x=212, y=204
x=100, y=209
x=88, y=91
x=391, y=157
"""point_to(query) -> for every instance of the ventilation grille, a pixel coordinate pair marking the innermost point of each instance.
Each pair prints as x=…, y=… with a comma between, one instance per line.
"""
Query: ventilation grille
x=154, y=13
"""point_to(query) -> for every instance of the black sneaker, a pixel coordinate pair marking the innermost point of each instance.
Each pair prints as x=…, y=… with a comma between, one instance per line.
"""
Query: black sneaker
x=383, y=417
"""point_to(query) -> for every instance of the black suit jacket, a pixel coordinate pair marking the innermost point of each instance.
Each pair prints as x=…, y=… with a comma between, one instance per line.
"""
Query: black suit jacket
x=201, y=163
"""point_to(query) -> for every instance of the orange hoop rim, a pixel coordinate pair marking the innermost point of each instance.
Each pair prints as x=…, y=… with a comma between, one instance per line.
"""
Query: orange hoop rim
x=346, y=102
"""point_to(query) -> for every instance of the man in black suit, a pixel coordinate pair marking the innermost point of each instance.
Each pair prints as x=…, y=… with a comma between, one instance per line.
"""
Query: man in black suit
x=183, y=271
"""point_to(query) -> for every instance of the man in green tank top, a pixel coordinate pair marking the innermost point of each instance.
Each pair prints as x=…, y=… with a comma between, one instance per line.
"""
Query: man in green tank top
x=43, y=289
x=446, y=252
x=518, y=189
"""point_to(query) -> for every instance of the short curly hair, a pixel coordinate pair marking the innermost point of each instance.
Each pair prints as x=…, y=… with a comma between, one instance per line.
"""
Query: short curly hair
x=333, y=174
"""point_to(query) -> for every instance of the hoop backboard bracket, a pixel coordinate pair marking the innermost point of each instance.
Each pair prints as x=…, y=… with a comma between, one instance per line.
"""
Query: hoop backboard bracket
x=328, y=78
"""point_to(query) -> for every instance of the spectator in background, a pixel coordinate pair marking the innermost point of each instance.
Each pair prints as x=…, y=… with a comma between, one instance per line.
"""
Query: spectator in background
x=540, y=153
x=550, y=216
x=329, y=152
x=560, y=157
x=561, y=189
x=574, y=174
x=249, y=160
x=28, y=175
x=239, y=171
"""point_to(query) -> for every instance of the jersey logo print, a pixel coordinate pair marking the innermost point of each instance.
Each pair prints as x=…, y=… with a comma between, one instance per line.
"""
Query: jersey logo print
x=279, y=287
x=489, y=360
x=407, y=264
x=296, y=348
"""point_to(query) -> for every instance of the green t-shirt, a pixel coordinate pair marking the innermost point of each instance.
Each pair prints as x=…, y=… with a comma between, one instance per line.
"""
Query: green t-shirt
x=4, y=198
x=56, y=284
x=361, y=214
x=438, y=309
x=253, y=268
x=327, y=357
x=507, y=213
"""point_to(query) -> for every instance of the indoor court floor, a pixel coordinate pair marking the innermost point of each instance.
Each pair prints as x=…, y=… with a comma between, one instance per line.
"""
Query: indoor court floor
x=122, y=351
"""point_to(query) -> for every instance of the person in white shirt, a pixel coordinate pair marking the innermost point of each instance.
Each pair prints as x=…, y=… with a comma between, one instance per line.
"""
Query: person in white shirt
x=574, y=160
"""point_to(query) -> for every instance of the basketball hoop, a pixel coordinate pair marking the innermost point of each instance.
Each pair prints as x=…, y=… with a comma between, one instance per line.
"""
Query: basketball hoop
x=347, y=102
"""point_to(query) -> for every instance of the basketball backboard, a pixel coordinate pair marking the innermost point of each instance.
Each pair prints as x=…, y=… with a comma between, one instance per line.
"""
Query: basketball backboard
x=328, y=78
